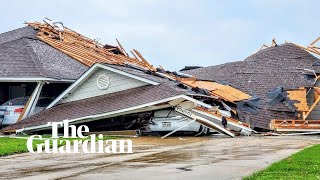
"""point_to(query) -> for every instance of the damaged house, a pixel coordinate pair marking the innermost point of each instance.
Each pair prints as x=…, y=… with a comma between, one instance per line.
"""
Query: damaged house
x=286, y=80
x=34, y=72
x=123, y=92
x=275, y=88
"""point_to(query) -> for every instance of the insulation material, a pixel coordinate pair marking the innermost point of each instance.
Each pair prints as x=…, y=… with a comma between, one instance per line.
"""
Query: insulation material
x=226, y=92
x=299, y=96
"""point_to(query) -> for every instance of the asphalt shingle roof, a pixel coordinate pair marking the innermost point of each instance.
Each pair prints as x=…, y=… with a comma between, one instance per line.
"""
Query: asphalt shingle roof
x=262, y=72
x=23, y=55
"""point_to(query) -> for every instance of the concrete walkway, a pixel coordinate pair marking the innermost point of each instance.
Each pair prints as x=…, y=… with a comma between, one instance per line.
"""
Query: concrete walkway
x=154, y=158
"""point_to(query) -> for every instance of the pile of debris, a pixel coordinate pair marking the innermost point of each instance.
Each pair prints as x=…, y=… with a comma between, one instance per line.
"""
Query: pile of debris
x=285, y=77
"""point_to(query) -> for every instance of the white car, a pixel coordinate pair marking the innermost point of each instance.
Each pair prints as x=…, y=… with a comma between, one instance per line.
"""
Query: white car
x=11, y=110
x=166, y=121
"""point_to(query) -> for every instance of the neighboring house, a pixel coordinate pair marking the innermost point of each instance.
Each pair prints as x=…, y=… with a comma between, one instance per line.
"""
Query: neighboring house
x=287, y=66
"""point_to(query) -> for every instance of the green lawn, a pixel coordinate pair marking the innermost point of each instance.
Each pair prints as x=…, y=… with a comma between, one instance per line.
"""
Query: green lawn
x=302, y=165
x=9, y=146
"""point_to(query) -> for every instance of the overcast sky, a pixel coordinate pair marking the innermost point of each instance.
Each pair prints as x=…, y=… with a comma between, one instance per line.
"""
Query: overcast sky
x=175, y=33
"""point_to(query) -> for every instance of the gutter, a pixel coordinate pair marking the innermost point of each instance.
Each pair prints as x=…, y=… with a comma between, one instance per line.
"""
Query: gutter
x=123, y=111
x=36, y=79
x=244, y=130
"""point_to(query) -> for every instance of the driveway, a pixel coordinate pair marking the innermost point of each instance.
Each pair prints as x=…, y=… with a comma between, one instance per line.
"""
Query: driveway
x=154, y=158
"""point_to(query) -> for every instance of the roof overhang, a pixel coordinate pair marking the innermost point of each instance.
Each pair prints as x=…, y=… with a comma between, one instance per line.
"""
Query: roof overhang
x=34, y=79
x=160, y=104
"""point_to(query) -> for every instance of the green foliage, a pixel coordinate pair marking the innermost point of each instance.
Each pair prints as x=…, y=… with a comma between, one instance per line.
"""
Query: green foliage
x=10, y=146
x=302, y=165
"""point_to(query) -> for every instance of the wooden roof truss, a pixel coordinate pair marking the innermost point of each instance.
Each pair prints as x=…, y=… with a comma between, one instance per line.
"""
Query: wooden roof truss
x=86, y=50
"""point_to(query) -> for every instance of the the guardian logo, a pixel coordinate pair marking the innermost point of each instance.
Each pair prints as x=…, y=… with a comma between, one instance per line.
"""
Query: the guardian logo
x=86, y=144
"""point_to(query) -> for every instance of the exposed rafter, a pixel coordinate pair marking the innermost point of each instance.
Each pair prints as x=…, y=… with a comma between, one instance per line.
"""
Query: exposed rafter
x=83, y=49
x=273, y=43
x=312, y=47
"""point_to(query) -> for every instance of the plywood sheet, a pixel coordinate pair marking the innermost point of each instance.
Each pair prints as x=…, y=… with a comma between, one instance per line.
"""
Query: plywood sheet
x=226, y=92
x=299, y=95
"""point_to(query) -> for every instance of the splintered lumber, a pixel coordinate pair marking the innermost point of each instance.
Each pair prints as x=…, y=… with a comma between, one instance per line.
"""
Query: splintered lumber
x=295, y=125
x=199, y=119
x=121, y=48
x=315, y=41
x=312, y=47
x=84, y=49
x=235, y=125
x=311, y=108
x=213, y=126
x=226, y=92
x=273, y=43
x=146, y=63
x=203, y=121
x=229, y=119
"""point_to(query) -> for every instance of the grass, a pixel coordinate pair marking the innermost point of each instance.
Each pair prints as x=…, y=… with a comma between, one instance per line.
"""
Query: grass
x=302, y=165
x=9, y=146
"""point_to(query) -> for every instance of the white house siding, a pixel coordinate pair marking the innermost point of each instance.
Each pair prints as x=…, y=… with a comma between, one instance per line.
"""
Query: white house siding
x=89, y=88
x=315, y=114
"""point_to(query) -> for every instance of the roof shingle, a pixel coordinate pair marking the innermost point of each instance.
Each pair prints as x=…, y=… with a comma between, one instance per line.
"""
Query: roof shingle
x=100, y=104
x=23, y=55
x=284, y=65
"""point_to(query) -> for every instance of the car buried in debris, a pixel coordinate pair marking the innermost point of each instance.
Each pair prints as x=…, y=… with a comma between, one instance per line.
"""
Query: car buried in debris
x=12, y=109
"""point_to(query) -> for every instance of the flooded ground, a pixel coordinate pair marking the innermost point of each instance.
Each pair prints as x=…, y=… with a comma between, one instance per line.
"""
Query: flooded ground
x=155, y=158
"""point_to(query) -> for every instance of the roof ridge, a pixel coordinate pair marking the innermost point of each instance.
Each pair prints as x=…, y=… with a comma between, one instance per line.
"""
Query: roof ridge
x=303, y=53
x=34, y=56
x=22, y=32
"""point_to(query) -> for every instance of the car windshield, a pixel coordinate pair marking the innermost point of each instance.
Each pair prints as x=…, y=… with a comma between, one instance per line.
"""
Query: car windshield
x=16, y=102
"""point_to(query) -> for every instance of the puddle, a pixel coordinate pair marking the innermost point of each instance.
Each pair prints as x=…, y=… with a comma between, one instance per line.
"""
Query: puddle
x=168, y=157
x=184, y=169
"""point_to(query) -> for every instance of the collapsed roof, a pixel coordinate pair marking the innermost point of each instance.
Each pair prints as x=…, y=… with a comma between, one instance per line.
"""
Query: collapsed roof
x=89, y=53
x=161, y=94
x=287, y=66
x=100, y=104
x=83, y=49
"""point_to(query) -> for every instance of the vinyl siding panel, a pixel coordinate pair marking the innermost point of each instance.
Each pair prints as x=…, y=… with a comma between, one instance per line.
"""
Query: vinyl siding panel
x=315, y=114
x=89, y=88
